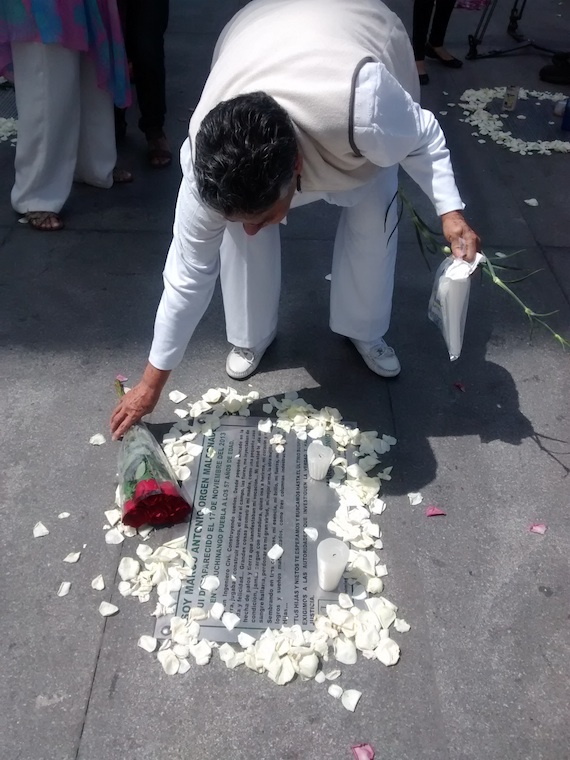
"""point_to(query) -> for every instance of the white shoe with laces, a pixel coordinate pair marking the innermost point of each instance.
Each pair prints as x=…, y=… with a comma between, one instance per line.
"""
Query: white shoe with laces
x=242, y=362
x=379, y=357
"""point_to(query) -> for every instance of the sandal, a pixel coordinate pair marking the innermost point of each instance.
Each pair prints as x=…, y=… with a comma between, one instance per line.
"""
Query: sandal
x=122, y=176
x=159, y=154
x=45, y=221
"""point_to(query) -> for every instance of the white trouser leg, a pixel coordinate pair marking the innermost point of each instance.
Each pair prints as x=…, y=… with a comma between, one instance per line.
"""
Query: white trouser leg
x=47, y=96
x=363, y=262
x=250, y=275
x=97, y=152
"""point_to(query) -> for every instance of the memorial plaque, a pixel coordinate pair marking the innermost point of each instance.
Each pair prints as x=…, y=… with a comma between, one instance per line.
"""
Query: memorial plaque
x=256, y=498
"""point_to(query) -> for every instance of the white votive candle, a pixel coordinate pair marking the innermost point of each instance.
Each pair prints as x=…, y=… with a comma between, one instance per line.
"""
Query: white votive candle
x=332, y=556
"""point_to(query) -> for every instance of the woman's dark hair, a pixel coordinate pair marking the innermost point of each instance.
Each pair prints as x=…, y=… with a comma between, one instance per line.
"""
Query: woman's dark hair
x=245, y=155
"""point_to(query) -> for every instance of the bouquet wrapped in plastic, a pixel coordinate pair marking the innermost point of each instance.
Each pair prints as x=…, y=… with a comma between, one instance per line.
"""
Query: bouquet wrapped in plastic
x=148, y=490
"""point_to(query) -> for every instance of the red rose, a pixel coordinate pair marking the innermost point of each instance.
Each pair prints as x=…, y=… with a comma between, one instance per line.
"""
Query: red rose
x=145, y=487
x=156, y=509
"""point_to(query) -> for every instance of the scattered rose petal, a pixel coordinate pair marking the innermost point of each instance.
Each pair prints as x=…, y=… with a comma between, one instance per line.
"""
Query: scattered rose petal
x=401, y=626
x=144, y=552
x=434, y=512
x=531, y=202
x=211, y=452
x=169, y=661
x=63, y=515
x=106, y=609
x=320, y=677
x=538, y=528
x=113, y=516
x=275, y=552
x=217, y=610
x=177, y=396
x=443, y=113
x=335, y=690
x=72, y=557
x=97, y=439
x=459, y=386
x=128, y=568
x=328, y=277
x=333, y=675
x=415, y=499
x=182, y=413
x=98, y=583
x=312, y=533
x=230, y=620
x=114, y=536
x=63, y=589
x=148, y=643
x=350, y=699
x=210, y=583
x=363, y=751
x=40, y=530
x=267, y=408
x=245, y=640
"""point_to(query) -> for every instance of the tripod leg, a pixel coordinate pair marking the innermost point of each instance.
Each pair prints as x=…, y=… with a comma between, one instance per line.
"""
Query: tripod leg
x=477, y=38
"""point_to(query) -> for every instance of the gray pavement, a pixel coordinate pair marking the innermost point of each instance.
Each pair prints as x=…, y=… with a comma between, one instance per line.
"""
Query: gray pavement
x=485, y=670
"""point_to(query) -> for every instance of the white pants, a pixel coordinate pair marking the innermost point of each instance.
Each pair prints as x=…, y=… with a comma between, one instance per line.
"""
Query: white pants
x=363, y=264
x=65, y=126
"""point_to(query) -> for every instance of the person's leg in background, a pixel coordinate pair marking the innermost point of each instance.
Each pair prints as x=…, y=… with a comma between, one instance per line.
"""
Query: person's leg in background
x=439, y=24
x=146, y=24
x=47, y=81
x=97, y=152
x=250, y=275
x=422, y=13
x=362, y=281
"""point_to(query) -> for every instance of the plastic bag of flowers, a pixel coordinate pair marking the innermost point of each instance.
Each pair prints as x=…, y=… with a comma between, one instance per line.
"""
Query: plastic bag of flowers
x=148, y=490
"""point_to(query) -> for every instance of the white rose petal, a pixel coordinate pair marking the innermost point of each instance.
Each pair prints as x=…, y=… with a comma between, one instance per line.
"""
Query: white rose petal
x=333, y=675
x=98, y=583
x=114, y=536
x=97, y=439
x=320, y=677
x=106, y=609
x=182, y=413
x=387, y=652
x=210, y=583
x=113, y=516
x=169, y=661
x=217, y=610
x=230, y=620
x=72, y=557
x=128, y=568
x=63, y=515
x=63, y=589
x=401, y=626
x=245, y=640
x=350, y=699
x=531, y=202
x=335, y=690
x=40, y=530
x=312, y=533
x=177, y=396
x=415, y=499
x=275, y=552
x=267, y=408
x=144, y=552
x=148, y=643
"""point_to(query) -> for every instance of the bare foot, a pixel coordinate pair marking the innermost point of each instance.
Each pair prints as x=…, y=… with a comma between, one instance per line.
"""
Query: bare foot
x=45, y=221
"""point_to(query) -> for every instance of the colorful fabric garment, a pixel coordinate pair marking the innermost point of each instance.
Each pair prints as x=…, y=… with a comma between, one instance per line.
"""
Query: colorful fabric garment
x=88, y=26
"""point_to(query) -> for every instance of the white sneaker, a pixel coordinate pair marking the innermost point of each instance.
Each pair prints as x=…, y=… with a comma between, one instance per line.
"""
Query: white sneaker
x=242, y=362
x=379, y=357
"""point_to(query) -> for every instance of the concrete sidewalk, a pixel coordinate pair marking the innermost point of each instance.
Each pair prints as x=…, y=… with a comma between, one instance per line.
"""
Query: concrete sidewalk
x=485, y=669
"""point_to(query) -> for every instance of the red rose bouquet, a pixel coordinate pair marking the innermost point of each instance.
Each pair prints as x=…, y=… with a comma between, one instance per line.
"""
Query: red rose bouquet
x=148, y=489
